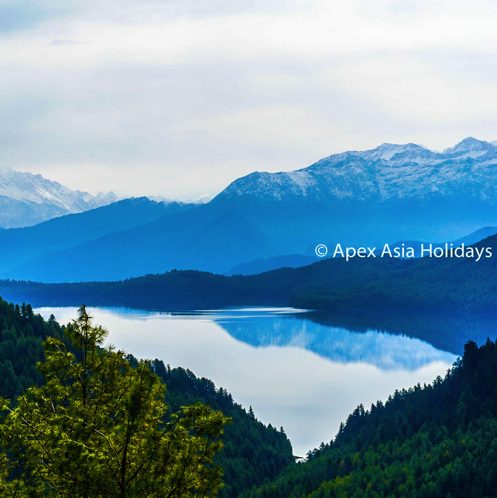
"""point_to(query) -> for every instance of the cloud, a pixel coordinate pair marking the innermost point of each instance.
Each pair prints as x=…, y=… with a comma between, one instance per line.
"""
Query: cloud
x=178, y=98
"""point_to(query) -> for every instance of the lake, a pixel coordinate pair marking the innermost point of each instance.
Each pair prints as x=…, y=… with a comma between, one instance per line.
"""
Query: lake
x=294, y=370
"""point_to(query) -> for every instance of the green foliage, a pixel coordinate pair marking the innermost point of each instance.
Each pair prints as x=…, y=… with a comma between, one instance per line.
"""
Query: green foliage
x=438, y=440
x=21, y=335
x=96, y=428
x=251, y=453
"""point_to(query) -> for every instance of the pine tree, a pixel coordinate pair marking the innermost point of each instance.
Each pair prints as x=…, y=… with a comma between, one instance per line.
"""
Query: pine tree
x=96, y=428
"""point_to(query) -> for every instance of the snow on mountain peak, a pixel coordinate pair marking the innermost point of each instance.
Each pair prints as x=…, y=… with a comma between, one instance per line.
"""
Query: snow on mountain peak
x=471, y=147
x=388, y=171
x=387, y=151
x=35, y=188
x=28, y=198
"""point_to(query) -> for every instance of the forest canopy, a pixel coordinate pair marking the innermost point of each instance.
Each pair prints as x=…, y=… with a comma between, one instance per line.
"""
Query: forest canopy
x=251, y=452
x=96, y=427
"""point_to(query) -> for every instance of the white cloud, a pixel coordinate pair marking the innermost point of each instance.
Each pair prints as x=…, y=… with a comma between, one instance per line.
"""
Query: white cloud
x=178, y=98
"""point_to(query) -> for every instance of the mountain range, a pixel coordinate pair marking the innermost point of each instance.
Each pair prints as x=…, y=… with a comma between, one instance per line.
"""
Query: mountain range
x=27, y=199
x=296, y=260
x=55, y=235
x=390, y=193
x=388, y=172
x=386, y=194
x=447, y=284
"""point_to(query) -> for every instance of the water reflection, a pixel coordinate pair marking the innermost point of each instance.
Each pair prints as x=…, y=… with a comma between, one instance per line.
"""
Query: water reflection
x=295, y=372
x=445, y=330
x=386, y=351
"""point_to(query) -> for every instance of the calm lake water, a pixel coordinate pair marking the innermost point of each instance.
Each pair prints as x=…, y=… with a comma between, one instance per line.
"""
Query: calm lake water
x=296, y=372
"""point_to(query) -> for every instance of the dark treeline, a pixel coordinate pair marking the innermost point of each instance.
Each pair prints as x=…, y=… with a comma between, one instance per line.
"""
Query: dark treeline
x=330, y=284
x=21, y=346
x=252, y=453
x=438, y=440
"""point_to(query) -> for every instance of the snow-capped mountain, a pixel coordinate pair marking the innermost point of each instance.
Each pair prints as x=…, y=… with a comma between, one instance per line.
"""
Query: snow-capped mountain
x=26, y=199
x=358, y=198
x=471, y=147
x=389, y=171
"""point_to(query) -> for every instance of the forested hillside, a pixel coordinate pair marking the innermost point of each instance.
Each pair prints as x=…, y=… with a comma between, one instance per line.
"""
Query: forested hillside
x=329, y=284
x=21, y=336
x=252, y=451
x=438, y=440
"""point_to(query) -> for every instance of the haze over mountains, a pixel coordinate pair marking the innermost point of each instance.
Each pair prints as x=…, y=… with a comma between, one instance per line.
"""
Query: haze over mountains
x=22, y=244
x=427, y=284
x=27, y=199
x=387, y=194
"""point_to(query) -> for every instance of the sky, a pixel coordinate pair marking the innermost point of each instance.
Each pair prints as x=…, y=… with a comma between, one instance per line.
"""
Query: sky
x=178, y=98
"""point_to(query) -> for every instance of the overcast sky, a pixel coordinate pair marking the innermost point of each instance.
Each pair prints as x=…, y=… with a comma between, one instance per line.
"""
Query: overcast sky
x=177, y=98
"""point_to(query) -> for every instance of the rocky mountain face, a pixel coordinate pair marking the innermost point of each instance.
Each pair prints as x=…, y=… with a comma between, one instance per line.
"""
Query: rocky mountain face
x=27, y=199
x=388, y=172
x=388, y=194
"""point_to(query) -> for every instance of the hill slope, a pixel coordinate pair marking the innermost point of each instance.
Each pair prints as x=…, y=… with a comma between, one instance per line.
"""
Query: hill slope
x=387, y=194
x=253, y=451
x=390, y=193
x=195, y=237
x=20, y=245
x=439, y=440
x=331, y=284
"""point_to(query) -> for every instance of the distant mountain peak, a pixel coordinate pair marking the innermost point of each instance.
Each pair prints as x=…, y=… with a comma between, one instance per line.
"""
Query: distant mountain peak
x=471, y=147
x=470, y=142
x=389, y=171
x=29, y=198
x=388, y=151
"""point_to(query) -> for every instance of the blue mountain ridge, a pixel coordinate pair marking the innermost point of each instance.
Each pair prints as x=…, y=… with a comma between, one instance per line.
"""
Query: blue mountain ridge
x=387, y=194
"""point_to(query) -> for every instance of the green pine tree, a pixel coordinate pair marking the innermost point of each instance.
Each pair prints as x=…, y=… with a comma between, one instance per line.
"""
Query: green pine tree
x=96, y=428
